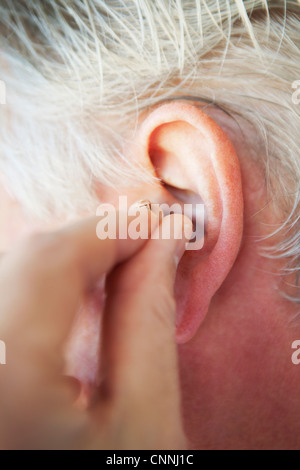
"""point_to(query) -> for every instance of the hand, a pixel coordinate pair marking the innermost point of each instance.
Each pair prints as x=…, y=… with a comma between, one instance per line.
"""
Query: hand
x=42, y=284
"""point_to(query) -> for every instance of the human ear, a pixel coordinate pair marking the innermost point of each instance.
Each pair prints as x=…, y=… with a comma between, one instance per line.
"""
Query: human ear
x=195, y=161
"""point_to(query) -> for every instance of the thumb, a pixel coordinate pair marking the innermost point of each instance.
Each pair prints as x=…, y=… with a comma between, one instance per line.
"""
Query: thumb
x=139, y=349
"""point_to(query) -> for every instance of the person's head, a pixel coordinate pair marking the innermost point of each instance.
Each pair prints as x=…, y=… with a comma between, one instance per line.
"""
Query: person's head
x=175, y=101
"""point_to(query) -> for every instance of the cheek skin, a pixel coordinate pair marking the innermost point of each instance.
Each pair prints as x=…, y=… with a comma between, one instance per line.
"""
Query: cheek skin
x=240, y=387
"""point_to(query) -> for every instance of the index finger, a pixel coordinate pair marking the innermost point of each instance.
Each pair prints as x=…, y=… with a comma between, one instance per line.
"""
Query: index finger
x=50, y=274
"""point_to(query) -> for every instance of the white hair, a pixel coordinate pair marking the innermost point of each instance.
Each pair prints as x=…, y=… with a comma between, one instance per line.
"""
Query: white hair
x=79, y=72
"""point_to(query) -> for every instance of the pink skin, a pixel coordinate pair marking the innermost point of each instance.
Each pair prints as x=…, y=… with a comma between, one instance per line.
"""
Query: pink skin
x=240, y=388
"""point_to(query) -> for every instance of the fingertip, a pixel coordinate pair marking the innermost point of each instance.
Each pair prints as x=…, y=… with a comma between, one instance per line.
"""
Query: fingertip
x=183, y=230
x=138, y=231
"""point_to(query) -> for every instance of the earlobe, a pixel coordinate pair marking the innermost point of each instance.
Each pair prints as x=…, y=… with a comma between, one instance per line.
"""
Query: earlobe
x=190, y=152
